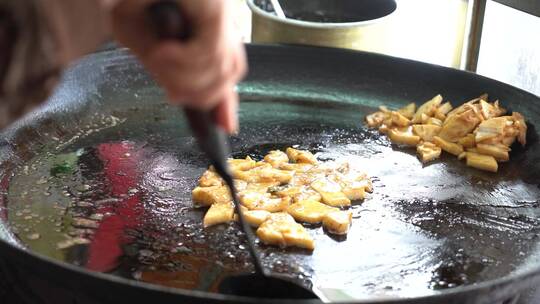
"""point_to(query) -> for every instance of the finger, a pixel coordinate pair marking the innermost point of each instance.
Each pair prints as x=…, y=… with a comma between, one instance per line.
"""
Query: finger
x=204, y=98
x=227, y=113
x=188, y=88
x=241, y=64
x=211, y=96
x=225, y=83
x=176, y=76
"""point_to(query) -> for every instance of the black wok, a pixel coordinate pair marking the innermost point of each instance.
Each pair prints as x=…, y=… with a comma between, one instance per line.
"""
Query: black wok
x=100, y=177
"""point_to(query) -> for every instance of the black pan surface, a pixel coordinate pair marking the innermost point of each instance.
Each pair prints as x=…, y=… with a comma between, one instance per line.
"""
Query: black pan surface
x=101, y=179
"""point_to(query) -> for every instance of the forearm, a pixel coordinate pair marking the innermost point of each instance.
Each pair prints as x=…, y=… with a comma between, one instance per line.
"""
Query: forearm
x=38, y=39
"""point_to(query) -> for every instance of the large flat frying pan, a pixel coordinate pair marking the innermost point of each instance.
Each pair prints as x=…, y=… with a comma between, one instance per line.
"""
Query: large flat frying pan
x=96, y=188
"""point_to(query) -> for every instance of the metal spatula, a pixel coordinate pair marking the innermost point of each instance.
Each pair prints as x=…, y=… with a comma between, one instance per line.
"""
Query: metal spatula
x=168, y=23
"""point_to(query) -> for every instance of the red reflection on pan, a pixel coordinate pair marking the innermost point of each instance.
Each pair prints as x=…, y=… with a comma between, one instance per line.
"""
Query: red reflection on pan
x=120, y=167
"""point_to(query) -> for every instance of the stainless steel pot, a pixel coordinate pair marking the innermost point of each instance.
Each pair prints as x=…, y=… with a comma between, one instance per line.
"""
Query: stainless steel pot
x=352, y=24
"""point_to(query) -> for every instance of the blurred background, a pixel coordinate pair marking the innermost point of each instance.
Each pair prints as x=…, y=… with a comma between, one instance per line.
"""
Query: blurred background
x=498, y=39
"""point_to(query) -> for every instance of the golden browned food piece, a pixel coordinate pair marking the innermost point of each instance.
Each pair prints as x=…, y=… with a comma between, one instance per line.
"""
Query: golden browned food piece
x=207, y=196
x=263, y=201
x=376, y=119
x=210, y=178
x=434, y=121
x=428, y=151
x=403, y=136
x=490, y=110
x=470, y=102
x=276, y=158
x=484, y=96
x=301, y=167
x=399, y=120
x=293, y=182
x=331, y=193
x=476, y=127
x=219, y=213
x=353, y=184
x=460, y=123
x=521, y=127
x=338, y=222
x=355, y=191
x=240, y=185
x=499, y=151
x=327, y=168
x=256, y=217
x=482, y=162
x=408, y=110
x=300, y=156
x=445, y=108
x=241, y=164
x=307, y=193
x=285, y=190
x=260, y=187
x=264, y=173
x=424, y=119
x=252, y=198
x=304, y=178
x=296, y=192
x=309, y=211
x=464, y=119
x=254, y=193
x=502, y=130
x=280, y=229
x=427, y=109
x=426, y=132
x=440, y=112
x=449, y=147
x=384, y=118
x=438, y=116
x=467, y=141
x=491, y=128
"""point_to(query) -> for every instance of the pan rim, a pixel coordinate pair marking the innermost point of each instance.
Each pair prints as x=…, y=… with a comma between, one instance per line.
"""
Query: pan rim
x=530, y=275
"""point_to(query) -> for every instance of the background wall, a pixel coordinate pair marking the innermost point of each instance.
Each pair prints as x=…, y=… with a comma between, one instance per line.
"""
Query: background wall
x=429, y=30
x=510, y=48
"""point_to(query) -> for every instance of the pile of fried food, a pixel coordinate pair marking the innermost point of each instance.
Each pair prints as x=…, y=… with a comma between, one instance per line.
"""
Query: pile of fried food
x=476, y=131
x=282, y=190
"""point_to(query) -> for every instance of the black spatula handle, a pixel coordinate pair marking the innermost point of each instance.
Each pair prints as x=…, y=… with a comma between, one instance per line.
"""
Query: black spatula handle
x=168, y=21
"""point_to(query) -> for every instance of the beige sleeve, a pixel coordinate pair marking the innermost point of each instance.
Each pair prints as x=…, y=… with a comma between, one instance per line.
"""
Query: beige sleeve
x=38, y=39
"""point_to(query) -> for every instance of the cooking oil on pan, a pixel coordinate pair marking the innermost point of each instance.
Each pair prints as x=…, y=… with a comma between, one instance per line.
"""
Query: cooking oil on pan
x=119, y=201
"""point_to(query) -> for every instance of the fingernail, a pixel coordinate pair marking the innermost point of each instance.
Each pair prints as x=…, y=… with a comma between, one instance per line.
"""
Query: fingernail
x=234, y=117
x=233, y=124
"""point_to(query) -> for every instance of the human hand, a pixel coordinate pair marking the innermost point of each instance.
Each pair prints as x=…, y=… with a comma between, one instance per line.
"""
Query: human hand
x=199, y=73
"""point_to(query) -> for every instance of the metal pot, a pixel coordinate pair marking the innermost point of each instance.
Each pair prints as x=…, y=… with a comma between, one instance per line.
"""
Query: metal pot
x=351, y=24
